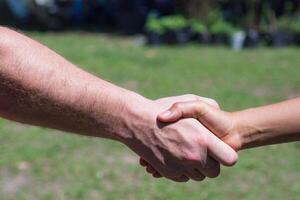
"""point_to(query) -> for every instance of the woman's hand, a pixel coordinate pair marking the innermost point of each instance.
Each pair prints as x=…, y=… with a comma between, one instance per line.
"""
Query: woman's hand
x=222, y=124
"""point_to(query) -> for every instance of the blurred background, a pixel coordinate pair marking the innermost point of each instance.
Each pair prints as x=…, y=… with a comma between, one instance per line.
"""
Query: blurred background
x=242, y=53
x=239, y=24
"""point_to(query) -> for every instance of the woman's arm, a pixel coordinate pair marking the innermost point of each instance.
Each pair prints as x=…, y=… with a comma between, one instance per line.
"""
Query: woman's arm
x=271, y=124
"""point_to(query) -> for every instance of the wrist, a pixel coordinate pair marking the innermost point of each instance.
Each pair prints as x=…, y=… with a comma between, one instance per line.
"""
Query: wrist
x=135, y=112
x=246, y=128
x=112, y=108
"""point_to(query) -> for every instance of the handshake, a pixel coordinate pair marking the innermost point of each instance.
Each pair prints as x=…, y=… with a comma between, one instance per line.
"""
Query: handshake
x=180, y=138
x=188, y=137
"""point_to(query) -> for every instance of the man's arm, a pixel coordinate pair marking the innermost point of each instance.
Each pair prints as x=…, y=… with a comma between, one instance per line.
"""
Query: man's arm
x=39, y=87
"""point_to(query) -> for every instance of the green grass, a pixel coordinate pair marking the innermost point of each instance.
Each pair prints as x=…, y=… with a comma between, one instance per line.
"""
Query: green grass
x=44, y=164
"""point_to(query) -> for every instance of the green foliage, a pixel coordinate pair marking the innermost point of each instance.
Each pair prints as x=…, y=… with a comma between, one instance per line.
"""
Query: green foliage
x=295, y=26
x=154, y=25
x=222, y=27
x=174, y=22
x=197, y=26
x=284, y=24
x=288, y=24
x=213, y=16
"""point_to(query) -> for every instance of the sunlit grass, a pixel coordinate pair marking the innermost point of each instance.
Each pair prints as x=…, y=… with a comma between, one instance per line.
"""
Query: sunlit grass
x=45, y=164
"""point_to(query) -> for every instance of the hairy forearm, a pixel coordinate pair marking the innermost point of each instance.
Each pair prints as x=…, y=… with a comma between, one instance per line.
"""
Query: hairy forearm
x=272, y=124
x=39, y=87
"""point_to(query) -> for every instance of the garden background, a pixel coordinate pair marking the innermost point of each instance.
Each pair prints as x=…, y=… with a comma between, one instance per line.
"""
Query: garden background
x=37, y=163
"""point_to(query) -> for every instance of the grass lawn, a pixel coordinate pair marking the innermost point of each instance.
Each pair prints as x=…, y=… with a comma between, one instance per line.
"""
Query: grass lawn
x=46, y=164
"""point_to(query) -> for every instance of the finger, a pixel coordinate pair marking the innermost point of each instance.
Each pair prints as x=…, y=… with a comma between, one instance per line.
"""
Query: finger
x=195, y=175
x=192, y=97
x=150, y=169
x=182, y=178
x=209, y=101
x=180, y=110
x=143, y=162
x=157, y=175
x=220, y=151
x=209, y=116
x=211, y=168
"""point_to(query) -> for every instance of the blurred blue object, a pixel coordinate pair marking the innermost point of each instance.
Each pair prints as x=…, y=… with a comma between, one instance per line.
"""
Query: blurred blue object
x=77, y=12
x=19, y=9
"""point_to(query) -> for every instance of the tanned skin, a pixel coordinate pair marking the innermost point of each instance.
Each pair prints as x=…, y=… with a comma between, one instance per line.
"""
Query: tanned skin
x=39, y=87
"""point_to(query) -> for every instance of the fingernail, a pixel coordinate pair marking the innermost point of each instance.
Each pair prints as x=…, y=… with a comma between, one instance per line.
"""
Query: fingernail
x=166, y=114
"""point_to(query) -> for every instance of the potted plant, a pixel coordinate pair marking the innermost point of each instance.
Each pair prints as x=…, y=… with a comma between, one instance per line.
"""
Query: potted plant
x=295, y=29
x=237, y=40
x=130, y=16
x=281, y=34
x=199, y=32
x=154, y=31
x=252, y=38
x=176, y=29
x=221, y=32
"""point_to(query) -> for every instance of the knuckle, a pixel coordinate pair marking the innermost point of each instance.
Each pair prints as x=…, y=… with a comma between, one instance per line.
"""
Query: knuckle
x=176, y=106
x=213, y=102
x=201, y=109
x=202, y=140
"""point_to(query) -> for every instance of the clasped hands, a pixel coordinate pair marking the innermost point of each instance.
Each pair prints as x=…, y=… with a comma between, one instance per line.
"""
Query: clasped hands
x=190, y=139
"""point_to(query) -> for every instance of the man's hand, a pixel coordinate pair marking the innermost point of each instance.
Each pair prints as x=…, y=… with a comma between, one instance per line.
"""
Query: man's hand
x=39, y=87
x=185, y=149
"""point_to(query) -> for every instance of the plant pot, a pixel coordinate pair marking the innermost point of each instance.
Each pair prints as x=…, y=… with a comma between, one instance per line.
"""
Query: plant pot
x=130, y=23
x=154, y=38
x=184, y=35
x=179, y=36
x=252, y=39
x=237, y=40
x=202, y=38
x=297, y=38
x=279, y=39
x=221, y=38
